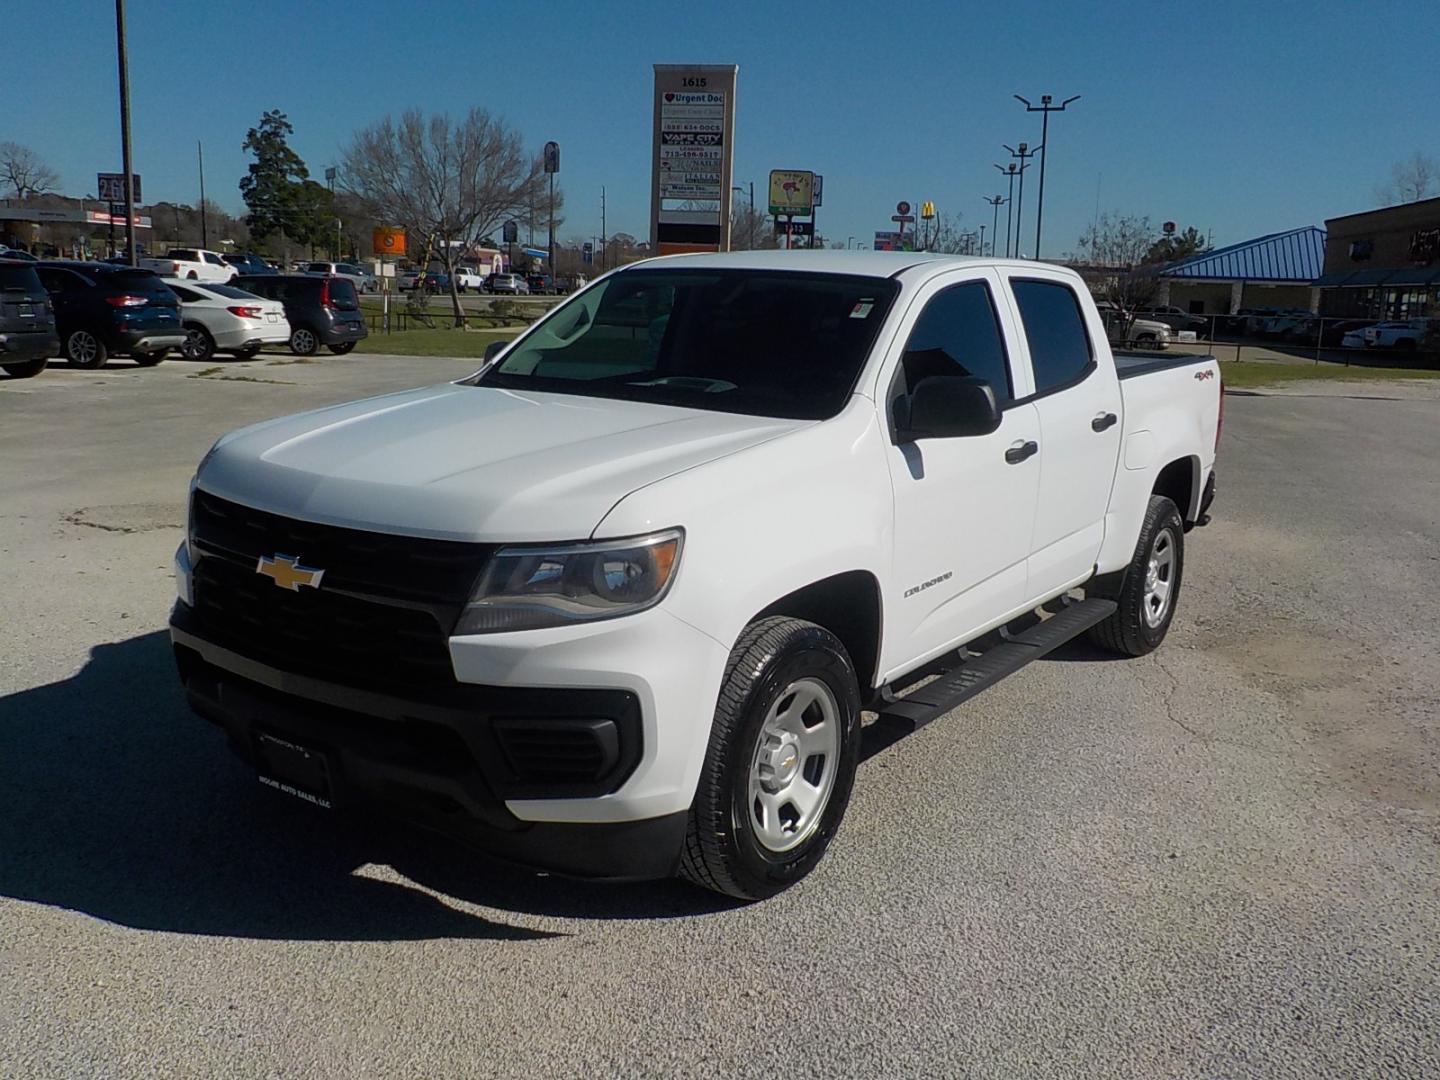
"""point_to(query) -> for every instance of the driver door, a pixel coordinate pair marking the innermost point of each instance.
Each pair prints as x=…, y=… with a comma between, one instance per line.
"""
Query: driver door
x=964, y=508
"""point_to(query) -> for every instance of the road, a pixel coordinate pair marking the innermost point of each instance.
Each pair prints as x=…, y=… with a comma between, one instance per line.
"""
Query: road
x=1220, y=860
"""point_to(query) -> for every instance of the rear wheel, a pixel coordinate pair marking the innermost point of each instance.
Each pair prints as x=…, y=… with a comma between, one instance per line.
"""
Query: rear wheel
x=303, y=341
x=342, y=348
x=27, y=370
x=199, y=345
x=150, y=359
x=84, y=350
x=780, y=766
x=1149, y=587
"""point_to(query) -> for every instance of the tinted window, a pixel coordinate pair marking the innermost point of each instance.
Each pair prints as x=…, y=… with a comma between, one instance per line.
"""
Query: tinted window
x=19, y=279
x=188, y=296
x=768, y=344
x=213, y=260
x=184, y=254
x=230, y=292
x=61, y=280
x=342, y=295
x=318, y=268
x=959, y=334
x=1054, y=327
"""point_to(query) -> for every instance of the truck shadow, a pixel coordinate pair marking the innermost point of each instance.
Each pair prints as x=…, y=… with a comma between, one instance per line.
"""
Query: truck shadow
x=117, y=802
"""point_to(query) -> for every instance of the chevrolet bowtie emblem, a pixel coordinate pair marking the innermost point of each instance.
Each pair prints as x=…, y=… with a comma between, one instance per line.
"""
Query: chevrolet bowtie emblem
x=286, y=571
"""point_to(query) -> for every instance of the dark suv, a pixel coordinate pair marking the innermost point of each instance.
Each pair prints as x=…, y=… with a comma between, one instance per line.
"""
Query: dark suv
x=321, y=310
x=27, y=321
x=250, y=263
x=101, y=308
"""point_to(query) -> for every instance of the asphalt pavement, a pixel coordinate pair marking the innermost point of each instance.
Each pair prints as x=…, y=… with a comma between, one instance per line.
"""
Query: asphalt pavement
x=1220, y=860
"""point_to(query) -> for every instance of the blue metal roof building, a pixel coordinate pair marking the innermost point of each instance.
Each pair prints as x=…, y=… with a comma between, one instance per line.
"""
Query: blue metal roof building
x=1274, y=271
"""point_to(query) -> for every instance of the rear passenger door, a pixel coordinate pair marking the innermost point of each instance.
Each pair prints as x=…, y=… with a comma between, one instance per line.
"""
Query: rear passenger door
x=1077, y=399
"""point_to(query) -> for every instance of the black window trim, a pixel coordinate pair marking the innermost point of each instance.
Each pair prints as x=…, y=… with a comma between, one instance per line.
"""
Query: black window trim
x=1085, y=372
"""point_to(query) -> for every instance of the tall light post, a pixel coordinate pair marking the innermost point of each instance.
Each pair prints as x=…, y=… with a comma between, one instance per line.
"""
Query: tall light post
x=552, y=166
x=1024, y=154
x=1009, y=202
x=1046, y=108
x=994, y=219
x=750, y=222
x=125, y=132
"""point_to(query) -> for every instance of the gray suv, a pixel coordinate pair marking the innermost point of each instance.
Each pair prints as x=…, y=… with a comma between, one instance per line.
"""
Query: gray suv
x=27, y=321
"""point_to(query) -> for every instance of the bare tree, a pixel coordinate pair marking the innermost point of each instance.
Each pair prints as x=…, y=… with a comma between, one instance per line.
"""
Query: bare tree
x=450, y=184
x=1415, y=178
x=23, y=171
x=750, y=229
x=944, y=236
x=1115, y=248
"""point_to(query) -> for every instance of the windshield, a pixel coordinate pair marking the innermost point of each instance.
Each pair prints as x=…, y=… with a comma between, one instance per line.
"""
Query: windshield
x=775, y=343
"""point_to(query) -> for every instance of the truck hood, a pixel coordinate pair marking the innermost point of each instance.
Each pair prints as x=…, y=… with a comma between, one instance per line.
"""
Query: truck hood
x=471, y=463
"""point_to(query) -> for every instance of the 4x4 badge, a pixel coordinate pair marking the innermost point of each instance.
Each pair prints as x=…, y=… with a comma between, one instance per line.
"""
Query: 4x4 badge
x=286, y=571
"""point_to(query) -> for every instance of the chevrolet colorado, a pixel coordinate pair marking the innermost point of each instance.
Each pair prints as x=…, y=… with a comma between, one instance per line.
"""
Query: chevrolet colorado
x=613, y=605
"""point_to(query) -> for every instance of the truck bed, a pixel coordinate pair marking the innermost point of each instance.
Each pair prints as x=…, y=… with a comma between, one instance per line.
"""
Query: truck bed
x=1129, y=363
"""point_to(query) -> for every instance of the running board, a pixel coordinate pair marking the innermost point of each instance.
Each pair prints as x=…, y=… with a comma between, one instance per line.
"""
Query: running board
x=961, y=683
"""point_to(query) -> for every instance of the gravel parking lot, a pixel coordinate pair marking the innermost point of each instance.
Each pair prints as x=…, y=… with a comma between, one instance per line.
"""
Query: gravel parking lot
x=1220, y=860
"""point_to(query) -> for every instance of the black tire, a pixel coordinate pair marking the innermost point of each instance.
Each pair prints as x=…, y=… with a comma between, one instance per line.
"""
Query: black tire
x=341, y=348
x=27, y=370
x=1131, y=631
x=304, y=341
x=150, y=359
x=85, y=350
x=199, y=345
x=192, y=276
x=723, y=851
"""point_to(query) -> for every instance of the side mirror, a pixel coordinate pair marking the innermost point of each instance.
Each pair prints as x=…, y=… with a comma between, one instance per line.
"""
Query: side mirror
x=494, y=349
x=947, y=407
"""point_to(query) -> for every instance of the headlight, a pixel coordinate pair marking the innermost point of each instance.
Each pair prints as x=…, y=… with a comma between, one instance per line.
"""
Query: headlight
x=528, y=588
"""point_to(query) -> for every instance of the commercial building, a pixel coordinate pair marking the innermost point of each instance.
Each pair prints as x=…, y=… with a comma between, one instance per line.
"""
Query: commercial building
x=1383, y=264
x=1274, y=271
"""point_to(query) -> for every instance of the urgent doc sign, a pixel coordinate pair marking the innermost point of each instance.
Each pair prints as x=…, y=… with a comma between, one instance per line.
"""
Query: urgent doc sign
x=694, y=122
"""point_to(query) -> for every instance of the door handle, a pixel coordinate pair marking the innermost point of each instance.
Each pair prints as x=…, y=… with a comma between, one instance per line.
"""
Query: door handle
x=1020, y=452
x=1104, y=421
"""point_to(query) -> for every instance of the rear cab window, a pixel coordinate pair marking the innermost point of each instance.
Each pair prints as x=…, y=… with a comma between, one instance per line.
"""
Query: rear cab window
x=1061, y=353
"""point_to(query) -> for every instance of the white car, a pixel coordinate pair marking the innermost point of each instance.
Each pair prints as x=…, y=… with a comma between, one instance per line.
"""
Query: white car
x=192, y=264
x=363, y=280
x=612, y=605
x=1395, y=335
x=405, y=280
x=222, y=318
x=467, y=277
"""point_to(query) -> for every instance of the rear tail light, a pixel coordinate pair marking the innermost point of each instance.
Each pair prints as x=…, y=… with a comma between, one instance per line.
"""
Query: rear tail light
x=246, y=312
x=127, y=300
x=174, y=268
x=325, y=294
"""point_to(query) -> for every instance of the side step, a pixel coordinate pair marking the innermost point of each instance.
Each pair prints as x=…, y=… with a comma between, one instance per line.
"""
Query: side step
x=961, y=683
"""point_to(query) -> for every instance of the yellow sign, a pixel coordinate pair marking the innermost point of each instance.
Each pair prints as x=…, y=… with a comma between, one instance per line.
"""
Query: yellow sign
x=388, y=240
x=792, y=193
x=927, y=210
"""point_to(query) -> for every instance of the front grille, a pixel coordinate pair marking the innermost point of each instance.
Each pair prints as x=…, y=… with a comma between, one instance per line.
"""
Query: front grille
x=381, y=617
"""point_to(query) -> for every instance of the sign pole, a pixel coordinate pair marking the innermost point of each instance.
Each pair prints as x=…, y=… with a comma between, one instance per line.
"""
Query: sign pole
x=125, y=132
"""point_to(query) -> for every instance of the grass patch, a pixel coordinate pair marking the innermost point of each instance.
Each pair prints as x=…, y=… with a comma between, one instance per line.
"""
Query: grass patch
x=444, y=341
x=1239, y=374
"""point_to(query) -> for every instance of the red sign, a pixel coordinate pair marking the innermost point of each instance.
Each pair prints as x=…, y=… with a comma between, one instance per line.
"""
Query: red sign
x=902, y=208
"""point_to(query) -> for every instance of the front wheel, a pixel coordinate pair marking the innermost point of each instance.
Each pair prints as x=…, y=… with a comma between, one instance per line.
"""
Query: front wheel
x=341, y=348
x=303, y=341
x=780, y=766
x=1149, y=587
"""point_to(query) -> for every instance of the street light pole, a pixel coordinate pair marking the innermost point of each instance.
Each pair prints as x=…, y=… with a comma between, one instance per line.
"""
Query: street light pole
x=1045, y=108
x=125, y=132
x=1009, y=203
x=1024, y=154
x=994, y=220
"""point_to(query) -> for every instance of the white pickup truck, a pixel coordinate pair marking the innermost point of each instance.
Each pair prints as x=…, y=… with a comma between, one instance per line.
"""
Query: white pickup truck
x=191, y=264
x=613, y=605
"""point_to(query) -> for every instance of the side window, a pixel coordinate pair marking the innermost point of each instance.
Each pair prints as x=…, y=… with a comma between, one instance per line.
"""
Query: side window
x=214, y=260
x=185, y=295
x=1060, y=349
x=959, y=334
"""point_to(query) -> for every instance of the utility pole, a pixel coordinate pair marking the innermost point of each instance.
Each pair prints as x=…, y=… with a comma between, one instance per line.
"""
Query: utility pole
x=1024, y=154
x=604, y=257
x=994, y=220
x=125, y=132
x=1046, y=108
x=330, y=179
x=204, y=232
x=552, y=166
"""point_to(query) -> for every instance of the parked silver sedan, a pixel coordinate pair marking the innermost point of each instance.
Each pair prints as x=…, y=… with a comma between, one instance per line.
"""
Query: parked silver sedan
x=222, y=318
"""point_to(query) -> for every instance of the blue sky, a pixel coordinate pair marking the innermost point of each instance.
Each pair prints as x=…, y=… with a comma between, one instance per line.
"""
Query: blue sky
x=1239, y=118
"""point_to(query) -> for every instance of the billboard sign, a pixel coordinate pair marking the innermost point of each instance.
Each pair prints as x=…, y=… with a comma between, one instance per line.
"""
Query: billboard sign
x=792, y=193
x=388, y=240
x=693, y=155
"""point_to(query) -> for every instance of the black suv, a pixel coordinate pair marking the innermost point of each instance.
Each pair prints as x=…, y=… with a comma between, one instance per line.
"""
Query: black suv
x=101, y=308
x=27, y=321
x=321, y=310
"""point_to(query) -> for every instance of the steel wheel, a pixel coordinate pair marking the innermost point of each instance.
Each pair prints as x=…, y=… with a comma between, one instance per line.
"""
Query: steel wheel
x=1159, y=578
x=794, y=766
x=84, y=349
